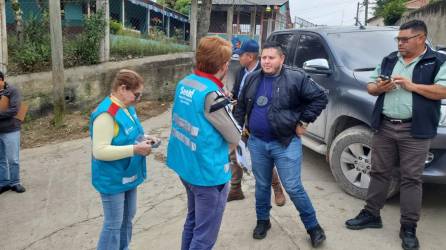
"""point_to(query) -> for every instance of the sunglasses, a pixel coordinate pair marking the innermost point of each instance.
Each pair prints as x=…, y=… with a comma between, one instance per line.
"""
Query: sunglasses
x=405, y=39
x=137, y=95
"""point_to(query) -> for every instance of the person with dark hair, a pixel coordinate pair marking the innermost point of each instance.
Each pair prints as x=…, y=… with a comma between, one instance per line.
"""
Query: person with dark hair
x=118, y=162
x=10, y=125
x=276, y=104
x=203, y=131
x=248, y=58
x=410, y=84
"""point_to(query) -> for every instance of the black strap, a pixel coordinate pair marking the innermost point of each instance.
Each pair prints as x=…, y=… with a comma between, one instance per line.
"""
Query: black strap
x=219, y=105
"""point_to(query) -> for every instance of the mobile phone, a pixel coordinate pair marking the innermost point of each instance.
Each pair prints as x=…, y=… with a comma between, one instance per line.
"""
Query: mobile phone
x=384, y=78
x=155, y=144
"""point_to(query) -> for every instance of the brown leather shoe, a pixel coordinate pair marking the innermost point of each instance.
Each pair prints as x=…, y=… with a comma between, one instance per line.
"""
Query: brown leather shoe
x=235, y=194
x=279, y=196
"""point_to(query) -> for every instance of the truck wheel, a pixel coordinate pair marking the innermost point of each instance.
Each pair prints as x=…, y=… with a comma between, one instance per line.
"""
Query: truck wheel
x=350, y=162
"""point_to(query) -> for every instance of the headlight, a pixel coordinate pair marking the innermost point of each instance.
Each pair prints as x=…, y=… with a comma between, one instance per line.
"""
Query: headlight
x=442, y=122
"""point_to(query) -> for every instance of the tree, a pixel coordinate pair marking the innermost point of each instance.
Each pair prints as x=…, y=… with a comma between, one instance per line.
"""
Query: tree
x=203, y=19
x=18, y=20
x=182, y=6
x=379, y=7
x=390, y=10
x=393, y=11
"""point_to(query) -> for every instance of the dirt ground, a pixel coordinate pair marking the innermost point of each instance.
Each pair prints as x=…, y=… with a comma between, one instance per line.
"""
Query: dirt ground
x=39, y=132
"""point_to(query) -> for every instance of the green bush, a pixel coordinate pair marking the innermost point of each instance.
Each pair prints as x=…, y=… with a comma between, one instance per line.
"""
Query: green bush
x=129, y=32
x=84, y=48
x=127, y=46
x=115, y=27
x=34, y=53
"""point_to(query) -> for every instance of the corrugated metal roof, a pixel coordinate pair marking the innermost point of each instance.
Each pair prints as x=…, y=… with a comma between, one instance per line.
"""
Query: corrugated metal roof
x=250, y=2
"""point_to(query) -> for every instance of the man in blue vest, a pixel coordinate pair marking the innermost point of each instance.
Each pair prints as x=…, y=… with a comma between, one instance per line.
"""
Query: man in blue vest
x=410, y=84
x=202, y=131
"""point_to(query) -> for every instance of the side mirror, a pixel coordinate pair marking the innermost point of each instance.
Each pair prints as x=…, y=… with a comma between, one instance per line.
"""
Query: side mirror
x=317, y=66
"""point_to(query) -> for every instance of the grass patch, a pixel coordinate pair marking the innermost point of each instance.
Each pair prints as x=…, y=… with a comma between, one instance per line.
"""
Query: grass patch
x=124, y=47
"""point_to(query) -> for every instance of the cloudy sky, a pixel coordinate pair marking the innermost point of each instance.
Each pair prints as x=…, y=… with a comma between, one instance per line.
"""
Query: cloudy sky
x=328, y=12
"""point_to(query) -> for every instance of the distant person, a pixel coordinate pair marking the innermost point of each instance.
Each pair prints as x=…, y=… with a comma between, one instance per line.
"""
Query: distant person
x=10, y=126
x=119, y=158
x=249, y=60
x=203, y=131
x=410, y=84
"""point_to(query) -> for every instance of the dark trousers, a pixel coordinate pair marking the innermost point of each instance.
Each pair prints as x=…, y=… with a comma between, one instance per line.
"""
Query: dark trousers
x=394, y=146
x=205, y=207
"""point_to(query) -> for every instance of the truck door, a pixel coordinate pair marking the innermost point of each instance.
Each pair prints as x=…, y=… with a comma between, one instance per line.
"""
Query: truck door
x=311, y=46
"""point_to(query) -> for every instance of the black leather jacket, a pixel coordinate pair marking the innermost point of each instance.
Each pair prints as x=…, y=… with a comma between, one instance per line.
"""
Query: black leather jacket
x=296, y=97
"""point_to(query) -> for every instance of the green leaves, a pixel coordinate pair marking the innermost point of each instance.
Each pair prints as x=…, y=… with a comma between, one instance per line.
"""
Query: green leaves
x=390, y=10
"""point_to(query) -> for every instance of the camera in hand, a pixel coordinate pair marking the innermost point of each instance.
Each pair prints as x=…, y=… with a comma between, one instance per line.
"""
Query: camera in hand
x=155, y=144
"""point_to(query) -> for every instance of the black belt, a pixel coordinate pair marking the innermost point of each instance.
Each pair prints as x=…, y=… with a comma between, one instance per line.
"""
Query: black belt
x=396, y=121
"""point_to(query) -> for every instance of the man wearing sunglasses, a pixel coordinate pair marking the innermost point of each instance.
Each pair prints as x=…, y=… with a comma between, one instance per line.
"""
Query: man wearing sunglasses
x=410, y=84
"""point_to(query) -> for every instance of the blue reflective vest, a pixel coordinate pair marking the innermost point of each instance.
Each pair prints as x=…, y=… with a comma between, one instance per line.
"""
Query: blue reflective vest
x=197, y=152
x=111, y=177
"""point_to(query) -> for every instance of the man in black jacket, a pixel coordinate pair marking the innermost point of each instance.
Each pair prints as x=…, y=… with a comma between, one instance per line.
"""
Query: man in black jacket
x=277, y=105
x=9, y=138
x=410, y=84
x=248, y=58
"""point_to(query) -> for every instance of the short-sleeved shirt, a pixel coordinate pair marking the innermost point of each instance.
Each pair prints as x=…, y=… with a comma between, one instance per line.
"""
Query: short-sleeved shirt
x=398, y=102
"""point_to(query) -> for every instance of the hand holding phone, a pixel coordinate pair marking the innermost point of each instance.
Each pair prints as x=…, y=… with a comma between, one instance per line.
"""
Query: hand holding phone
x=385, y=78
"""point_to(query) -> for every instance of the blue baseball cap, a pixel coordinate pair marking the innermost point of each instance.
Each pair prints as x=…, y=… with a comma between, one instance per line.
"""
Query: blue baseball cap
x=248, y=46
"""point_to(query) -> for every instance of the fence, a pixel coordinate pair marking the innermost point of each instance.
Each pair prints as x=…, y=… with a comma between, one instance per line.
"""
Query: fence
x=132, y=21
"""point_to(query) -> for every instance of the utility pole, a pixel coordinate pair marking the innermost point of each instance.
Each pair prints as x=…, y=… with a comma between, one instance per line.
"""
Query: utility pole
x=193, y=24
x=3, y=38
x=357, y=15
x=58, y=79
x=229, y=21
x=366, y=16
x=104, y=49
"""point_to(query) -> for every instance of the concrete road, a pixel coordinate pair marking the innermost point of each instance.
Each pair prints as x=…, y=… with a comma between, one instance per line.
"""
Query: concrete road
x=61, y=210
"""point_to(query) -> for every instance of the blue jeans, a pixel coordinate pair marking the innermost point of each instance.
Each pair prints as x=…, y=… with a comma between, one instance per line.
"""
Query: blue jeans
x=205, y=207
x=9, y=158
x=119, y=210
x=264, y=155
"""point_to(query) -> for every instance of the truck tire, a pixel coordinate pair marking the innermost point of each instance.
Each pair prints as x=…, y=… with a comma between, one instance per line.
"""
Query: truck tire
x=350, y=163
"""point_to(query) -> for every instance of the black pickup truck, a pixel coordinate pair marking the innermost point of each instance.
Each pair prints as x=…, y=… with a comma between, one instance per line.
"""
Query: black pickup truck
x=341, y=59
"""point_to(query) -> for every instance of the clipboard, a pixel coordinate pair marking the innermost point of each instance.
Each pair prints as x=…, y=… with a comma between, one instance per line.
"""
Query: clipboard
x=23, y=109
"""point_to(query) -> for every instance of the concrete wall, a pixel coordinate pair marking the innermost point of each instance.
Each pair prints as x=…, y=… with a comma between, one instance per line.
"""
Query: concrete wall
x=435, y=17
x=85, y=86
x=376, y=21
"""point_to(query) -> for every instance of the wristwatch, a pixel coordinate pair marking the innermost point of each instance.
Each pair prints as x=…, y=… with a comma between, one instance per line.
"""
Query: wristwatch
x=302, y=124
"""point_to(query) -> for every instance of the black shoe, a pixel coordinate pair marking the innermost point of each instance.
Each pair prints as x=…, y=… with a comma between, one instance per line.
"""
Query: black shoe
x=4, y=189
x=317, y=236
x=18, y=188
x=409, y=238
x=364, y=219
x=261, y=229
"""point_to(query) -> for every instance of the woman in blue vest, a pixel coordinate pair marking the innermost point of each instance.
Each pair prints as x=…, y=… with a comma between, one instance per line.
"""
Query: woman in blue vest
x=202, y=131
x=119, y=158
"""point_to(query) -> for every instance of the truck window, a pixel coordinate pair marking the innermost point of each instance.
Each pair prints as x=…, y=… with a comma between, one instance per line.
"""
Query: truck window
x=309, y=47
x=286, y=40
